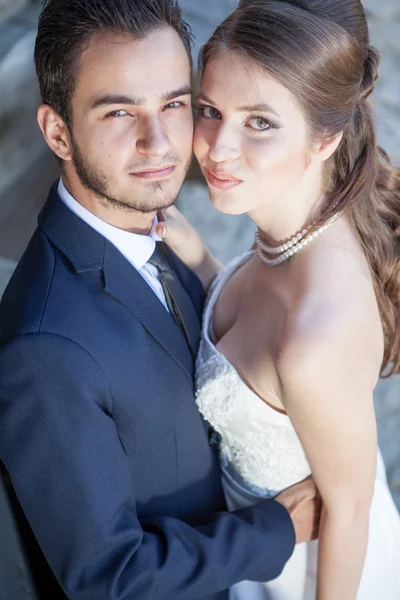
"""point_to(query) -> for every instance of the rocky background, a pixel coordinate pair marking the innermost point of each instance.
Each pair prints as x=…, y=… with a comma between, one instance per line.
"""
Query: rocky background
x=27, y=169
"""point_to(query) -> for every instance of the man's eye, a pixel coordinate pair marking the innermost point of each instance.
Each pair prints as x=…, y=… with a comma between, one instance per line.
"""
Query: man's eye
x=118, y=113
x=174, y=105
x=208, y=112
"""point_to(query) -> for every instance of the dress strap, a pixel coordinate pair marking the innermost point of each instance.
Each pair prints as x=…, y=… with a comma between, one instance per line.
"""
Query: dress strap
x=216, y=288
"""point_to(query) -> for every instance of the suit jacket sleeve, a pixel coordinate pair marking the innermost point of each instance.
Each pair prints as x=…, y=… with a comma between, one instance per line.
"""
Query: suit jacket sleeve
x=71, y=475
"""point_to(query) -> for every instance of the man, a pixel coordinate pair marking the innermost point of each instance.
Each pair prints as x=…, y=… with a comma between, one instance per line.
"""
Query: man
x=99, y=430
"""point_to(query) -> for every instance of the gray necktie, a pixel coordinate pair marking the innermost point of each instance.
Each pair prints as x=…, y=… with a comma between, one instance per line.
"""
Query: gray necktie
x=177, y=298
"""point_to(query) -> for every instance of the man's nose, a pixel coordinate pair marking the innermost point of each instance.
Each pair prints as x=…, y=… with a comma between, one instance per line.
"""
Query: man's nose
x=224, y=145
x=152, y=139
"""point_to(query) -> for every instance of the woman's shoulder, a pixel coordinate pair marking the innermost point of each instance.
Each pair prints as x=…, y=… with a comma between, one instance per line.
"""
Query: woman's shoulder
x=335, y=324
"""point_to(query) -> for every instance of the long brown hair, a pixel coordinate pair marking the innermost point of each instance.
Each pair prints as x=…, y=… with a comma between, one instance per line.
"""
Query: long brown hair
x=320, y=50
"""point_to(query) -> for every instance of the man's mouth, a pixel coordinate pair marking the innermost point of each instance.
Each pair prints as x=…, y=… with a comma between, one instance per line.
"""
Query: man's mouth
x=155, y=172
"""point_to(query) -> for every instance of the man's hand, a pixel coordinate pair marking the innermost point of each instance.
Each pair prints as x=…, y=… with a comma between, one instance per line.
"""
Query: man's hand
x=304, y=505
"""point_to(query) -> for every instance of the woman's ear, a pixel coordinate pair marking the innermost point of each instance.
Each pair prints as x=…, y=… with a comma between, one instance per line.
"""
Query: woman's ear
x=323, y=148
x=55, y=131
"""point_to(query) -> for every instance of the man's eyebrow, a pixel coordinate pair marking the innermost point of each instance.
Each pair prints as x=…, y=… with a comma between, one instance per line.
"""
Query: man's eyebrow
x=116, y=99
x=111, y=99
x=186, y=90
x=252, y=108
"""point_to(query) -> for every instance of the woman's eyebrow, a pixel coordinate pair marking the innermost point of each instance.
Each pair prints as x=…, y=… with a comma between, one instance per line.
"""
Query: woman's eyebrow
x=249, y=108
x=258, y=108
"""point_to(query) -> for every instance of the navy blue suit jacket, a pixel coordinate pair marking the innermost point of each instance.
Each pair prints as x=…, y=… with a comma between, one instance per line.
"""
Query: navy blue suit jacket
x=99, y=431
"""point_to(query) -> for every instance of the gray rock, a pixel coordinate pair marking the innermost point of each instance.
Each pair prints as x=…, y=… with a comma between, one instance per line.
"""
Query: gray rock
x=382, y=9
x=8, y=8
x=387, y=397
x=204, y=16
x=21, y=141
x=6, y=270
x=387, y=408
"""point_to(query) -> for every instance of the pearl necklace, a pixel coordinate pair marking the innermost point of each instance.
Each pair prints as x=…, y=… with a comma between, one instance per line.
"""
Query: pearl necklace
x=292, y=247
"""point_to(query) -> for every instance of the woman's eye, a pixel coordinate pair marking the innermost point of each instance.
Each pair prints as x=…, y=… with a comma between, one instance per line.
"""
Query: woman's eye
x=118, y=113
x=260, y=124
x=208, y=112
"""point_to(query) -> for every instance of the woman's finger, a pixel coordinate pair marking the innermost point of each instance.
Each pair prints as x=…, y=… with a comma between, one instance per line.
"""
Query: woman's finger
x=161, y=229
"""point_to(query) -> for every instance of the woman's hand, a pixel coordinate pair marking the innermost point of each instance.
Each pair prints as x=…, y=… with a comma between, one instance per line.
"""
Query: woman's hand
x=174, y=229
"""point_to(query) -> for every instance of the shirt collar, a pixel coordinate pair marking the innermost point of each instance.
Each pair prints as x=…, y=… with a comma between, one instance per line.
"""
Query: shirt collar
x=135, y=247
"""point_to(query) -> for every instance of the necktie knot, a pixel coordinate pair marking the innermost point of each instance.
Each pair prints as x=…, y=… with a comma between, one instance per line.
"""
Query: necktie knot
x=160, y=258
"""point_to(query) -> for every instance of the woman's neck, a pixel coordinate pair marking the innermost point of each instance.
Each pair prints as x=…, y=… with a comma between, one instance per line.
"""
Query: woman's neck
x=289, y=215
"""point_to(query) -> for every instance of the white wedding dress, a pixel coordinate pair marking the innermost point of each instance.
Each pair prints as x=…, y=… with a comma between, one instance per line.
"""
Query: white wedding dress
x=261, y=455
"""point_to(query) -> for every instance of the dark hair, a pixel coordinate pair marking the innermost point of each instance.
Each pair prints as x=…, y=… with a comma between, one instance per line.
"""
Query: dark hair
x=320, y=50
x=66, y=26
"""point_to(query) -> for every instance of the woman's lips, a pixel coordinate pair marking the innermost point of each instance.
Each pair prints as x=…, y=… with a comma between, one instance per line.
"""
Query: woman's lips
x=222, y=181
x=155, y=173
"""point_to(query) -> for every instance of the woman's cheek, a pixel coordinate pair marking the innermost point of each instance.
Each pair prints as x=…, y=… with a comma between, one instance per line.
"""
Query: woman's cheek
x=261, y=155
x=200, y=145
x=275, y=155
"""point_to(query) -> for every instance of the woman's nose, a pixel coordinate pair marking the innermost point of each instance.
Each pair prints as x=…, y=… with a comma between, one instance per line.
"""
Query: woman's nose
x=224, y=146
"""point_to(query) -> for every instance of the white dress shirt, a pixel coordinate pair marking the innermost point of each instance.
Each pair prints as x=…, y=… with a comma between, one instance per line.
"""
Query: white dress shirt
x=136, y=248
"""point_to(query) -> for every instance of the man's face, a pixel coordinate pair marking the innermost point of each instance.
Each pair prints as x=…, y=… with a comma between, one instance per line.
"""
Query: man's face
x=132, y=125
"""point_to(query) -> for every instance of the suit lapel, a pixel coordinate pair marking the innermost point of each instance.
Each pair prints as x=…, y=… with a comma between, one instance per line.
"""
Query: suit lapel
x=125, y=284
x=87, y=250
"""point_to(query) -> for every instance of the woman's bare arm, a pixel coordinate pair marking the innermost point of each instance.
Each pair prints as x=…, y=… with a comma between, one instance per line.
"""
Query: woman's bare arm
x=327, y=389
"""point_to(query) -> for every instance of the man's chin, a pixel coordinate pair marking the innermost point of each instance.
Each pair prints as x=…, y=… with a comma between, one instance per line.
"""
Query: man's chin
x=149, y=202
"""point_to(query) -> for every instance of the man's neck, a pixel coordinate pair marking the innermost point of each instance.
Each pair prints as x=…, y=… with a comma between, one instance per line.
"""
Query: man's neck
x=125, y=219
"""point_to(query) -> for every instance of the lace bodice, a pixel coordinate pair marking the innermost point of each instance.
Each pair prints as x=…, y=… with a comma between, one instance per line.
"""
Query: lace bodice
x=259, y=449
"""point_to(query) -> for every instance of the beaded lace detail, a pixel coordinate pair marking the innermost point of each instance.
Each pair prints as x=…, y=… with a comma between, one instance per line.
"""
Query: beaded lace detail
x=259, y=448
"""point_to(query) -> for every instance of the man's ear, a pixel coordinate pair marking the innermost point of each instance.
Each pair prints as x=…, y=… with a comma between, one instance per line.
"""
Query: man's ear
x=55, y=131
x=324, y=147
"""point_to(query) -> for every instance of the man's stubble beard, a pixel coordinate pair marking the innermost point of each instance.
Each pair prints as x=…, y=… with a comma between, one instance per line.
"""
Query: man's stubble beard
x=94, y=180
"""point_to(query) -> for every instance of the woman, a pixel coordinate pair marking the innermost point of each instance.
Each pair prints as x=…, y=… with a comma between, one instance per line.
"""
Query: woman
x=297, y=331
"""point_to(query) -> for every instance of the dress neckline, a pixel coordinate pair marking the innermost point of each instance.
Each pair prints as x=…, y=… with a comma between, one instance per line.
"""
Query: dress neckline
x=215, y=292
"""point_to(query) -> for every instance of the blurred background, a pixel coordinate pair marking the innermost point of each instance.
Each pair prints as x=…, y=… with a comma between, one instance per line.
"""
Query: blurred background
x=27, y=168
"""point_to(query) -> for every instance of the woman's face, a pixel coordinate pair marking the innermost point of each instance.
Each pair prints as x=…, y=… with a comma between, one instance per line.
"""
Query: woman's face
x=251, y=137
